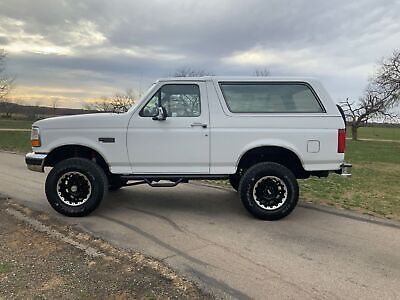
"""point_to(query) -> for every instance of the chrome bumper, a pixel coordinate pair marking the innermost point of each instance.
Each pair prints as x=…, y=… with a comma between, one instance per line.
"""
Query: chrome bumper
x=345, y=170
x=35, y=161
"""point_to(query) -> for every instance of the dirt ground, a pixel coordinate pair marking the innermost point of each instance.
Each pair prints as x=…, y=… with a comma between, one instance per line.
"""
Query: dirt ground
x=58, y=261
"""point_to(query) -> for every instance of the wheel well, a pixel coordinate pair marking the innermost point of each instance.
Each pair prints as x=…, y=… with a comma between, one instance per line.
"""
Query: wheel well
x=69, y=151
x=276, y=154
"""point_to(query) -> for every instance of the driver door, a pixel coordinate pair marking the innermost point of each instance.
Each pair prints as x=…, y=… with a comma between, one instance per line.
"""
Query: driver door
x=177, y=143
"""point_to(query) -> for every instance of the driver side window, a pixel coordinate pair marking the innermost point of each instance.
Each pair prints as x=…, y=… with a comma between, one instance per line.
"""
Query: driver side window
x=150, y=109
x=179, y=100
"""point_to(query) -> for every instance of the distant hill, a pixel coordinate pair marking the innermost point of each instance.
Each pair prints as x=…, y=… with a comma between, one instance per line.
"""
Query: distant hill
x=12, y=110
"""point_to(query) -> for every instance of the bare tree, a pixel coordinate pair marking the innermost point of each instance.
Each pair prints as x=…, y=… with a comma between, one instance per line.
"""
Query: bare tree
x=4, y=79
x=54, y=103
x=380, y=97
x=122, y=102
x=388, y=77
x=6, y=84
x=8, y=108
x=373, y=105
x=189, y=72
x=103, y=105
x=262, y=72
x=119, y=103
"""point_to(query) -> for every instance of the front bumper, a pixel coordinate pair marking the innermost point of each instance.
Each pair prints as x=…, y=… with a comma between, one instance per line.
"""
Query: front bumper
x=345, y=170
x=35, y=161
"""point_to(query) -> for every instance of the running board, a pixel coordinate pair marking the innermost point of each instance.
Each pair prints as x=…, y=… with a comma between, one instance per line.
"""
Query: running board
x=156, y=183
x=173, y=177
x=163, y=184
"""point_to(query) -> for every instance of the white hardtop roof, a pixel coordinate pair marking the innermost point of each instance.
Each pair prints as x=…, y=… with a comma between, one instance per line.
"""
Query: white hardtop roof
x=239, y=78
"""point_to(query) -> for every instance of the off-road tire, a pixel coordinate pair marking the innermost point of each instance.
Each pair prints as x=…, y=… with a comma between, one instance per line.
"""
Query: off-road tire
x=92, y=175
x=286, y=185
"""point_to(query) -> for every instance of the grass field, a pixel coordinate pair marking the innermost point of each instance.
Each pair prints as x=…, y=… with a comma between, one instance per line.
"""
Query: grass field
x=15, y=141
x=15, y=124
x=374, y=187
x=377, y=133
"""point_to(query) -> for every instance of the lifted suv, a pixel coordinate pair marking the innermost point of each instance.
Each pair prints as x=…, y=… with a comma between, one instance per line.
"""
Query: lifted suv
x=260, y=133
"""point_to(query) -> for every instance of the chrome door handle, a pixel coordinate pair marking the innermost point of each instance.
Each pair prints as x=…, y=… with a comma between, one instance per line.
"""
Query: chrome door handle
x=198, y=124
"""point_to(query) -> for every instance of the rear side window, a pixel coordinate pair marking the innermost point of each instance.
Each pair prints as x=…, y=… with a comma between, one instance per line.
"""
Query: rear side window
x=270, y=98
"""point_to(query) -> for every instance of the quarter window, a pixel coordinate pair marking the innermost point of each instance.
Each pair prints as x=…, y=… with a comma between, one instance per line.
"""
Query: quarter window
x=180, y=100
x=270, y=98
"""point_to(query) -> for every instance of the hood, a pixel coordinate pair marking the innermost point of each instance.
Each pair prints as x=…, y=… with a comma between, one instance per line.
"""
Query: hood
x=98, y=120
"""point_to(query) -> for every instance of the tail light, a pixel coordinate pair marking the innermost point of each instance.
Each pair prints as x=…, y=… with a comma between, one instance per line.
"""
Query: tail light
x=341, y=140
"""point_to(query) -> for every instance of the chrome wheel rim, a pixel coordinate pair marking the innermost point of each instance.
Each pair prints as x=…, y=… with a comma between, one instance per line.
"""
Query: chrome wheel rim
x=74, y=188
x=270, y=192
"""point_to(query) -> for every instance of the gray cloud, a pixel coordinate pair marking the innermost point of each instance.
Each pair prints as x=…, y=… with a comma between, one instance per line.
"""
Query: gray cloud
x=118, y=43
x=3, y=40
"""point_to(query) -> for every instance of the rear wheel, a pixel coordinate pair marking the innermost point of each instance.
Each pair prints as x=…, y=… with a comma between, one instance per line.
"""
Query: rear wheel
x=269, y=191
x=75, y=187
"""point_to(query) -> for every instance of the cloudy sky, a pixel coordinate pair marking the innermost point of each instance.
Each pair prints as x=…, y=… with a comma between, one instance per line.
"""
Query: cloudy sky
x=77, y=51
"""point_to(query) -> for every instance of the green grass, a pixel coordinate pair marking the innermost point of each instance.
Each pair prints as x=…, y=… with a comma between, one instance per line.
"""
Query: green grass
x=15, y=124
x=373, y=152
x=5, y=268
x=15, y=141
x=374, y=187
x=377, y=133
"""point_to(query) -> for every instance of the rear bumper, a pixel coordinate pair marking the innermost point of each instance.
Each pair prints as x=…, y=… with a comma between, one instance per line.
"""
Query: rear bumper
x=345, y=170
x=35, y=161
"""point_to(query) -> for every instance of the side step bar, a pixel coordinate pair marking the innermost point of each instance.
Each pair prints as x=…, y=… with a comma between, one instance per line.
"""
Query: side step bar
x=156, y=183
x=174, y=179
x=162, y=184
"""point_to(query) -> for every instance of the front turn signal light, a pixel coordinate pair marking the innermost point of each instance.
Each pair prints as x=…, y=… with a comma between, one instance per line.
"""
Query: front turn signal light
x=35, y=143
x=35, y=137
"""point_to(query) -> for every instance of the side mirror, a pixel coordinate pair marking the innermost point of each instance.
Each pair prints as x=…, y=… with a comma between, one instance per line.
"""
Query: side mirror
x=162, y=114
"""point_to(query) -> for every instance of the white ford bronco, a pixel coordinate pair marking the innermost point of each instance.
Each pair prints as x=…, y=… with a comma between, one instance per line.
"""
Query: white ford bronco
x=260, y=133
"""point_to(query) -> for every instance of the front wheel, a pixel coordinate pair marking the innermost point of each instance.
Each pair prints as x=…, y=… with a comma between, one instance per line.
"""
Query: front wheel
x=75, y=187
x=269, y=191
